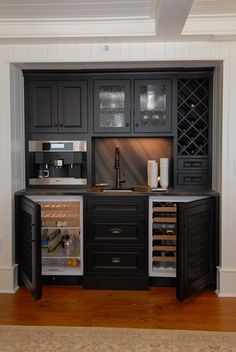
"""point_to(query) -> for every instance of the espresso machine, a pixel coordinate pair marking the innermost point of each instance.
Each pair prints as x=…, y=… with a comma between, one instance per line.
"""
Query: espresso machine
x=57, y=163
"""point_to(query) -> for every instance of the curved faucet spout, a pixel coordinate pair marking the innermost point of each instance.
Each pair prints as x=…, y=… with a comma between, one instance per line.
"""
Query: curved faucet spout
x=117, y=167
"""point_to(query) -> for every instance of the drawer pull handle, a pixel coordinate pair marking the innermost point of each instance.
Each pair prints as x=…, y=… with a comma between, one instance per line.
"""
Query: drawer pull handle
x=197, y=164
x=116, y=231
x=116, y=260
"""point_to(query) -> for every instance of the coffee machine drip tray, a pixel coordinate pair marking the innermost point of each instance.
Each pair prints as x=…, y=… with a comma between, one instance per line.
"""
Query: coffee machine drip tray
x=58, y=181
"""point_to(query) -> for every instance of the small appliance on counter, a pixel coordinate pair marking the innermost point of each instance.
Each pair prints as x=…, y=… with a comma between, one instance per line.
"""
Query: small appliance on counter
x=57, y=163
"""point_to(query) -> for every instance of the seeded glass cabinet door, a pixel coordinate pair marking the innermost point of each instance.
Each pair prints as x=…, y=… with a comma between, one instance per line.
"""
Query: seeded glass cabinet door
x=153, y=106
x=111, y=106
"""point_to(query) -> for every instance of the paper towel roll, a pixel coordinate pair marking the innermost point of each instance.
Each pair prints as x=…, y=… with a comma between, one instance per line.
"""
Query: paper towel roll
x=164, y=172
x=152, y=173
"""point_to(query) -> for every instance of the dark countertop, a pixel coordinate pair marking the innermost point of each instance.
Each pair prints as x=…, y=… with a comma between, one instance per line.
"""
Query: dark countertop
x=137, y=191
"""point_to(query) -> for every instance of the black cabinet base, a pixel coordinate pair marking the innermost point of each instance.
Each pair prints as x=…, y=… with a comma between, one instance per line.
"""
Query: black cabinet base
x=117, y=283
x=162, y=281
x=62, y=280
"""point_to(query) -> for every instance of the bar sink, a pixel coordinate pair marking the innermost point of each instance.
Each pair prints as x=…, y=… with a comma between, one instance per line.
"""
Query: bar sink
x=117, y=190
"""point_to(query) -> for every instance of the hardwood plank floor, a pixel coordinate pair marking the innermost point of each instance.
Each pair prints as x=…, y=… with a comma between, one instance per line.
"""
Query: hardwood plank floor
x=155, y=308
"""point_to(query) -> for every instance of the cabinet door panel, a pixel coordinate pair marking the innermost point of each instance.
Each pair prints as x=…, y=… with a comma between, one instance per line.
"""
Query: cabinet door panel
x=153, y=106
x=72, y=102
x=30, y=240
x=43, y=106
x=111, y=105
x=195, y=247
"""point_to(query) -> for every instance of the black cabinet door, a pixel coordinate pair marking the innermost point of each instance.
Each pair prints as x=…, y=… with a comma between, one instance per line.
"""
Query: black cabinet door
x=72, y=106
x=30, y=243
x=112, y=105
x=153, y=106
x=195, y=247
x=42, y=106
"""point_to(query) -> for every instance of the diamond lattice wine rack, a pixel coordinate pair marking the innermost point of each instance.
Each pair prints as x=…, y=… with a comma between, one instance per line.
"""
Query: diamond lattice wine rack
x=193, y=116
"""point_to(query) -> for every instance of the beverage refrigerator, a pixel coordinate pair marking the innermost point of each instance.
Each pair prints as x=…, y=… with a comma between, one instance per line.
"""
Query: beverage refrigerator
x=51, y=237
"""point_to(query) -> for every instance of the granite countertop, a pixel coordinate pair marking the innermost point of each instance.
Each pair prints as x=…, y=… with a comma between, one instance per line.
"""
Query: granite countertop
x=99, y=191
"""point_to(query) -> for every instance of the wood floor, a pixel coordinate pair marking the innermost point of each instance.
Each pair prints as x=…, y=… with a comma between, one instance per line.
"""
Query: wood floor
x=155, y=308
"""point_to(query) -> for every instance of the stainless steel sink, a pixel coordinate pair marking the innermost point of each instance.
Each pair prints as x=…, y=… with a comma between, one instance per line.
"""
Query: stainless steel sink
x=120, y=190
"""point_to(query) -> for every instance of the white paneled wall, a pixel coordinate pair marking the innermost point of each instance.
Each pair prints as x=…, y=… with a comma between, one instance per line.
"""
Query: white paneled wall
x=139, y=52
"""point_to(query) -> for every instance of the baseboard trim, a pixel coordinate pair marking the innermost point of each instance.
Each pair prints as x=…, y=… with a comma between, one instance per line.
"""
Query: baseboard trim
x=9, y=279
x=226, y=282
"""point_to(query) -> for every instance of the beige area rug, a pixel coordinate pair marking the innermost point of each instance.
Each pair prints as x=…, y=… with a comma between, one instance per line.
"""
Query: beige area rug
x=64, y=339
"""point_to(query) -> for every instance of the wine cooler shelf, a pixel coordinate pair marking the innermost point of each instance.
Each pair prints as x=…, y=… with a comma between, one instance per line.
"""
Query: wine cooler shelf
x=162, y=244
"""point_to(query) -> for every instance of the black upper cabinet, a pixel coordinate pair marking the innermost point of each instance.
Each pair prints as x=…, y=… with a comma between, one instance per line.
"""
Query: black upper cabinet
x=42, y=106
x=112, y=106
x=57, y=106
x=116, y=111
x=131, y=104
x=72, y=106
x=153, y=106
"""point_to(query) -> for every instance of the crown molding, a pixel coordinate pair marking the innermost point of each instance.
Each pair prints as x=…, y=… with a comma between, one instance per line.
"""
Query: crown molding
x=56, y=28
x=210, y=25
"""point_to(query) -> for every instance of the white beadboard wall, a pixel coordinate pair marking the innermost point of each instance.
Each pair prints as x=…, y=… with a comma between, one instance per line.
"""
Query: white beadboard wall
x=139, y=52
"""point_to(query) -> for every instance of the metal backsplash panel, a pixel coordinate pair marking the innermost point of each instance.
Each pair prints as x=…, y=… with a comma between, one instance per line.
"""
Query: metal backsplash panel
x=134, y=154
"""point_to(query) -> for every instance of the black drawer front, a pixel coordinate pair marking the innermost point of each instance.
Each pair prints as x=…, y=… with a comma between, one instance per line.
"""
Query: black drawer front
x=193, y=179
x=102, y=260
x=126, y=206
x=193, y=164
x=131, y=231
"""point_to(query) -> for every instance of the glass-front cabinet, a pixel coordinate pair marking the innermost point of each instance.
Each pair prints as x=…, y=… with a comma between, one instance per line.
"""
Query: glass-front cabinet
x=111, y=105
x=153, y=106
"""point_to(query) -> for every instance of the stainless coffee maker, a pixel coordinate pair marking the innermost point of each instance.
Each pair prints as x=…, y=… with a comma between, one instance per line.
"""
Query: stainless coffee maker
x=57, y=163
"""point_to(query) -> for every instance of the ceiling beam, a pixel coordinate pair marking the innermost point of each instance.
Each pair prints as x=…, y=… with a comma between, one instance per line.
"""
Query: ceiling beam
x=171, y=17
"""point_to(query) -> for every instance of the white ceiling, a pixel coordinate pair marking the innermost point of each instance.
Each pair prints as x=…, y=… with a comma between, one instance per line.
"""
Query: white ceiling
x=162, y=19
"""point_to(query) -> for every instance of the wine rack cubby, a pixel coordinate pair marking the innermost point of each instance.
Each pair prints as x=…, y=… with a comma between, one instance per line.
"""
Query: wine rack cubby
x=193, y=116
x=193, y=140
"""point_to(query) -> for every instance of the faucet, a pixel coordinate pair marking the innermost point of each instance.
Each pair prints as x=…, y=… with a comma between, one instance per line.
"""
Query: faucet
x=118, y=181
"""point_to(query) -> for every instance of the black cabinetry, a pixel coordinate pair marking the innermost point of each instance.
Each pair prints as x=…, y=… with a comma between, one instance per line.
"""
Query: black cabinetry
x=55, y=106
x=153, y=106
x=115, y=246
x=193, y=141
x=173, y=103
x=147, y=110
x=112, y=106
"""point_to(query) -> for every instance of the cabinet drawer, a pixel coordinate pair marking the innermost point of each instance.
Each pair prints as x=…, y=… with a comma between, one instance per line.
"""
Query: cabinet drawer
x=102, y=231
x=193, y=164
x=116, y=205
x=193, y=179
x=119, y=260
